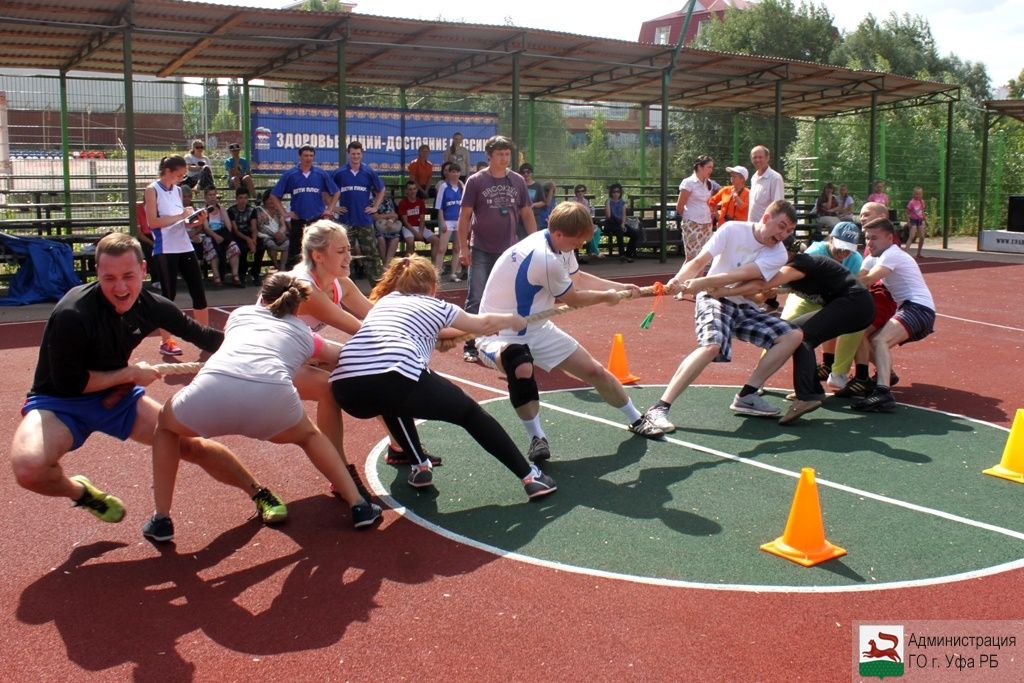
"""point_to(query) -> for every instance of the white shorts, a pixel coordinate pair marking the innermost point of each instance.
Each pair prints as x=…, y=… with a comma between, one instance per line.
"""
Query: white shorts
x=549, y=347
x=217, y=405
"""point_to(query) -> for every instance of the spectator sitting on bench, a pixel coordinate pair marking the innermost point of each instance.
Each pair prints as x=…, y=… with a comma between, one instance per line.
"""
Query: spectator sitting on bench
x=412, y=211
x=615, y=212
x=198, y=166
x=387, y=229
x=238, y=171
x=827, y=207
x=273, y=233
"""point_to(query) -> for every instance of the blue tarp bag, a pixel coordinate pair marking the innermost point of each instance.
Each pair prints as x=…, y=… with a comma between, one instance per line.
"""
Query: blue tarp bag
x=46, y=270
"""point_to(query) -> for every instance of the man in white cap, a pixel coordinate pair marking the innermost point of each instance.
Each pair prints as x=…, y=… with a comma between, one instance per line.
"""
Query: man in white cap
x=732, y=201
x=237, y=169
x=766, y=186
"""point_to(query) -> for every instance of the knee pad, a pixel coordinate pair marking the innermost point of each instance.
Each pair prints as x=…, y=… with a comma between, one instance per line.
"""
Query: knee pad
x=520, y=391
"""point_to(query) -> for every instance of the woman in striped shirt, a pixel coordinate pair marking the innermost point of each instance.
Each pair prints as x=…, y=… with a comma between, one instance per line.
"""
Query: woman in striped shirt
x=383, y=370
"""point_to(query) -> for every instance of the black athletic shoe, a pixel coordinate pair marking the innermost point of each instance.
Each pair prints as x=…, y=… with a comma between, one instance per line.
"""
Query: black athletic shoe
x=880, y=400
x=159, y=529
x=365, y=515
x=539, y=450
x=538, y=485
x=856, y=388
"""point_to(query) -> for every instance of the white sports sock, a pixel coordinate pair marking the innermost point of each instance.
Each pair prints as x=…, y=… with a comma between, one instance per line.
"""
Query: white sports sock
x=630, y=411
x=533, y=427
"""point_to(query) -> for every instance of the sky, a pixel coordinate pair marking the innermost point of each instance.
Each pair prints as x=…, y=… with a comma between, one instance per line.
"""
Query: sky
x=987, y=31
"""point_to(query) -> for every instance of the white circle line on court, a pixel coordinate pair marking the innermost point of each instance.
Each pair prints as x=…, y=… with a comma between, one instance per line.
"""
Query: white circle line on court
x=980, y=322
x=377, y=485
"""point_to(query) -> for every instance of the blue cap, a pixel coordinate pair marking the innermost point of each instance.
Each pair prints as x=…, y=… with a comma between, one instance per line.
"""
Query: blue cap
x=846, y=235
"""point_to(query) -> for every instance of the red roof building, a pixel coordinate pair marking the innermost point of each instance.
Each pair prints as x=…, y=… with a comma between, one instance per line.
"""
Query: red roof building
x=665, y=30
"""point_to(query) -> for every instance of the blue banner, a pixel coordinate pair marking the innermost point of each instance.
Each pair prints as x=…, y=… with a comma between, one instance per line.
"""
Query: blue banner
x=279, y=130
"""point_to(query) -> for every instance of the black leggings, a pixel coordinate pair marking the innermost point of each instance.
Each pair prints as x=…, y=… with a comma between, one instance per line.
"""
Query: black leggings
x=399, y=400
x=612, y=226
x=850, y=313
x=187, y=263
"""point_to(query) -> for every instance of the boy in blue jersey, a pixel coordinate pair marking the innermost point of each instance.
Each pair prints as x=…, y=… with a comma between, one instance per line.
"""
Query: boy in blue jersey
x=527, y=279
x=361, y=195
x=306, y=184
x=448, y=205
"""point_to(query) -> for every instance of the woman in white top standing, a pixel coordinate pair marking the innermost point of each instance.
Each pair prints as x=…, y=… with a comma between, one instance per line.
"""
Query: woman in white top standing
x=692, y=206
x=246, y=388
x=166, y=215
x=457, y=154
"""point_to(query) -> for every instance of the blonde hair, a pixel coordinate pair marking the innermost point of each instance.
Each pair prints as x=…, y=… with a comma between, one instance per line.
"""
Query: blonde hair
x=571, y=219
x=317, y=237
x=407, y=275
x=282, y=294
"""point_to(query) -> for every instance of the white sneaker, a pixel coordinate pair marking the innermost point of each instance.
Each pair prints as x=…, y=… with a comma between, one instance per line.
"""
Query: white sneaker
x=752, y=404
x=837, y=381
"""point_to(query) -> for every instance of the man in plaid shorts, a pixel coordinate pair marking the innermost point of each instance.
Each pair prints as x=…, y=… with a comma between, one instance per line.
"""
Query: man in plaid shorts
x=738, y=252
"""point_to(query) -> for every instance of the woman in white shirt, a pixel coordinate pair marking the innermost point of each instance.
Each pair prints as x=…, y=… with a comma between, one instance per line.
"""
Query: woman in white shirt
x=692, y=206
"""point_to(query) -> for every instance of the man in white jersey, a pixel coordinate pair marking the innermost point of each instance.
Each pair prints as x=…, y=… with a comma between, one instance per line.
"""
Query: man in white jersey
x=526, y=279
x=914, y=318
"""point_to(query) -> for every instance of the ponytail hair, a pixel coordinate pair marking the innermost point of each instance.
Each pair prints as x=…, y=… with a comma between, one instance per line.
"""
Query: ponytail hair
x=282, y=293
x=172, y=163
x=406, y=275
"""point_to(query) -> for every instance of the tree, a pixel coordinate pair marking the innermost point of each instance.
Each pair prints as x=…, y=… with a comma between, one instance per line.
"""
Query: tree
x=774, y=28
x=1016, y=86
x=191, y=116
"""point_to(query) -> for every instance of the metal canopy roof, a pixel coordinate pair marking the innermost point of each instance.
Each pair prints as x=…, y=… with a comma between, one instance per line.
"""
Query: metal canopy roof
x=1012, y=108
x=174, y=38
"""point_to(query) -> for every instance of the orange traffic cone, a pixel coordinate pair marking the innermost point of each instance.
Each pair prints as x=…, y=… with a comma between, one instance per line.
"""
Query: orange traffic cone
x=617, y=364
x=803, y=541
x=1012, y=465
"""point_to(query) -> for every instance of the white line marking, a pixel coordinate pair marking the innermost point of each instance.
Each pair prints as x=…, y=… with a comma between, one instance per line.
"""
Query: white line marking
x=980, y=322
x=379, y=488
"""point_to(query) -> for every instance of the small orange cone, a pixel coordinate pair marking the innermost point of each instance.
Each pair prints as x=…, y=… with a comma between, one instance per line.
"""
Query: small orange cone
x=617, y=364
x=1012, y=465
x=803, y=541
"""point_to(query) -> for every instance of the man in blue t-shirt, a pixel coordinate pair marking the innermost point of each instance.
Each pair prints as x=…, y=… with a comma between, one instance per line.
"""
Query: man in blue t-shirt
x=306, y=184
x=361, y=195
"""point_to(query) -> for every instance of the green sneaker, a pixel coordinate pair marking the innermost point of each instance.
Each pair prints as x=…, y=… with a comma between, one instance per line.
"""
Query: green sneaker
x=269, y=507
x=103, y=506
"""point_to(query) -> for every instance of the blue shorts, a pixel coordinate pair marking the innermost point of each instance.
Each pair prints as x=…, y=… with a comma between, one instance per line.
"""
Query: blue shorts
x=83, y=415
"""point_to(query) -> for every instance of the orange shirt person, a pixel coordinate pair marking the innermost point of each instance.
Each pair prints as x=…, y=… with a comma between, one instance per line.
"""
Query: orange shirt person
x=421, y=171
x=732, y=201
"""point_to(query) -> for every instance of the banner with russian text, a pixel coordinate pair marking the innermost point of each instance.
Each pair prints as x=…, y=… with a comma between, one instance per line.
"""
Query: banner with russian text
x=279, y=130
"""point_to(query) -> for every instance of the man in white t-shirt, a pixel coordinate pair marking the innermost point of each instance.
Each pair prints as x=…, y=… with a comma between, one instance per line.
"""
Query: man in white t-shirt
x=739, y=251
x=766, y=185
x=914, y=318
x=526, y=279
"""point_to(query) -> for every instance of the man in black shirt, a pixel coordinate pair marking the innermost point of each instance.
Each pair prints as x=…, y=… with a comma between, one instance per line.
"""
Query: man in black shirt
x=84, y=383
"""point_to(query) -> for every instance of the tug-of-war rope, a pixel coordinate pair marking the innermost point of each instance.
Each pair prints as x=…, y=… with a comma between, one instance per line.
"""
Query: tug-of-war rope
x=656, y=290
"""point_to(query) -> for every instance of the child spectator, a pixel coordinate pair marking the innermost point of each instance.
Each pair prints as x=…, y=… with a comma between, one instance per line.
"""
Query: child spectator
x=218, y=247
x=412, y=211
x=387, y=229
x=916, y=220
x=878, y=194
x=448, y=205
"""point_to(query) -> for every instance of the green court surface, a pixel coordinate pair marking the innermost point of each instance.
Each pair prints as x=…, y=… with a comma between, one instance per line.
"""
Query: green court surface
x=911, y=503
